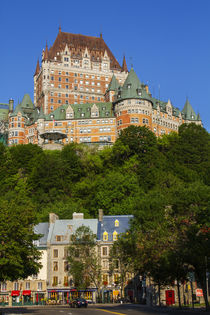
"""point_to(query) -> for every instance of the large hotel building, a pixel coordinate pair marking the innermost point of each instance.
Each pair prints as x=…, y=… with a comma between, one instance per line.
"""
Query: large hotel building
x=82, y=94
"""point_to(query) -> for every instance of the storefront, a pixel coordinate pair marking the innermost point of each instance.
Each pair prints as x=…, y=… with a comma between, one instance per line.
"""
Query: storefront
x=40, y=298
x=88, y=294
x=107, y=296
x=27, y=298
x=59, y=296
x=64, y=296
x=4, y=299
x=16, y=299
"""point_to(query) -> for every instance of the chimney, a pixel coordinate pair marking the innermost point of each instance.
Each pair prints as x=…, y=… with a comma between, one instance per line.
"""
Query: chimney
x=100, y=215
x=78, y=216
x=11, y=105
x=53, y=217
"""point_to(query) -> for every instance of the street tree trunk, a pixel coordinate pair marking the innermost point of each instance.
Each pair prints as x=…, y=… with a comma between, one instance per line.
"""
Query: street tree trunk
x=179, y=297
x=159, y=294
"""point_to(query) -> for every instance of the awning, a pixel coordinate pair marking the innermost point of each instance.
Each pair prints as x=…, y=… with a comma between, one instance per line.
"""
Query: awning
x=26, y=292
x=15, y=293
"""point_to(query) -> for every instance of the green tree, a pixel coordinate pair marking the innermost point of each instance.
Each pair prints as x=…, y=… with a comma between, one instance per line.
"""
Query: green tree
x=191, y=208
x=19, y=258
x=120, y=261
x=188, y=153
x=83, y=259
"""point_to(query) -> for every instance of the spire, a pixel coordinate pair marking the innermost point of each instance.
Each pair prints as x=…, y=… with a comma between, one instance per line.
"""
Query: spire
x=59, y=28
x=199, y=117
x=37, y=68
x=101, y=36
x=46, y=54
x=113, y=85
x=188, y=111
x=124, y=65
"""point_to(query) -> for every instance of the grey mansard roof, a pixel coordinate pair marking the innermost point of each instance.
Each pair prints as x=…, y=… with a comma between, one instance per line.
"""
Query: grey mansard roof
x=43, y=229
x=65, y=228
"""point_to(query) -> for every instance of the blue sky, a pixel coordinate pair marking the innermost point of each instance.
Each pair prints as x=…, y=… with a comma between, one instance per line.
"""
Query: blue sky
x=167, y=41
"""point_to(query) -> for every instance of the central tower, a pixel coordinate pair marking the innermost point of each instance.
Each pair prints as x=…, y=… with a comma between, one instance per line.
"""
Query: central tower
x=76, y=69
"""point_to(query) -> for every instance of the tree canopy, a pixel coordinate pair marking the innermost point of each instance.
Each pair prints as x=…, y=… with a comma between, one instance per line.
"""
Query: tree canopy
x=163, y=182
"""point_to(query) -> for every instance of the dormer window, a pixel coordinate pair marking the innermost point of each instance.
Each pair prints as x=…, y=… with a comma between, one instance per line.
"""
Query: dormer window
x=116, y=223
x=129, y=86
x=115, y=236
x=58, y=238
x=105, y=236
x=139, y=92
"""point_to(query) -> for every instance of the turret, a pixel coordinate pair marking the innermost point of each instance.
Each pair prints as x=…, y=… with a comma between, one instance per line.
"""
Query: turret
x=46, y=53
x=37, y=68
x=112, y=89
x=124, y=65
x=11, y=105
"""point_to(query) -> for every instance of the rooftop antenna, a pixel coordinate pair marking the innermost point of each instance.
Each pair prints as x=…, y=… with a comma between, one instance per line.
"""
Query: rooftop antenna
x=159, y=92
x=131, y=61
x=153, y=91
x=101, y=29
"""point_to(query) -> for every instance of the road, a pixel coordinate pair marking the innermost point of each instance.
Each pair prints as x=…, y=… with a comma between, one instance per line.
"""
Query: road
x=125, y=309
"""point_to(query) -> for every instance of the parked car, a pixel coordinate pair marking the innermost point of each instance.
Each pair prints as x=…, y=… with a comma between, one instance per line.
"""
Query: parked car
x=78, y=303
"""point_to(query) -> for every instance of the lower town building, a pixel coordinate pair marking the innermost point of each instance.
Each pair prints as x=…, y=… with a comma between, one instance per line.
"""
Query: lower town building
x=32, y=290
x=54, y=283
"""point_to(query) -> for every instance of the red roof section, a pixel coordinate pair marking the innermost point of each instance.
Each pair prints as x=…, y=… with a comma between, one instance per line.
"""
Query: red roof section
x=77, y=44
x=124, y=65
x=37, y=68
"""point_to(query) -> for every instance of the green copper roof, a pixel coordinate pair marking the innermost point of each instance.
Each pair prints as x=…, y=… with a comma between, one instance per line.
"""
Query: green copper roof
x=82, y=111
x=25, y=107
x=41, y=114
x=198, y=117
x=132, y=88
x=4, y=111
x=188, y=112
x=27, y=102
x=113, y=85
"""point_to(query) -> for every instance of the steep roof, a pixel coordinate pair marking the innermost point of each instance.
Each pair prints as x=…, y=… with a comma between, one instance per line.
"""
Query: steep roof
x=132, y=88
x=188, y=112
x=41, y=114
x=27, y=109
x=113, y=84
x=198, y=117
x=124, y=65
x=4, y=111
x=77, y=44
x=27, y=102
x=42, y=229
x=37, y=68
x=108, y=225
x=46, y=53
x=65, y=228
x=81, y=111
